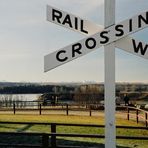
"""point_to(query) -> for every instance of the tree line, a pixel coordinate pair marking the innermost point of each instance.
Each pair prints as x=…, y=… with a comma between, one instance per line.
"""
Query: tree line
x=33, y=89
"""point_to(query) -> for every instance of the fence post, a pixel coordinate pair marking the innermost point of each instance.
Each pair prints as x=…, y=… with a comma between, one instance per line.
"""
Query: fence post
x=90, y=112
x=128, y=111
x=146, y=119
x=137, y=115
x=53, y=137
x=45, y=141
x=67, y=109
x=14, y=108
x=40, y=109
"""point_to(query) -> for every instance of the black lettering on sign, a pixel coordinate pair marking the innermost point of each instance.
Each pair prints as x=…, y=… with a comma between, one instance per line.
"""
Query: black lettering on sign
x=67, y=20
x=76, y=23
x=130, y=25
x=142, y=19
x=58, y=56
x=119, y=29
x=102, y=34
x=76, y=49
x=82, y=27
x=93, y=41
x=56, y=15
x=139, y=47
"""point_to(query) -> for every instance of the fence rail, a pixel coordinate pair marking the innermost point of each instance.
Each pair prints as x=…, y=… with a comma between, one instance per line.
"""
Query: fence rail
x=53, y=135
x=138, y=114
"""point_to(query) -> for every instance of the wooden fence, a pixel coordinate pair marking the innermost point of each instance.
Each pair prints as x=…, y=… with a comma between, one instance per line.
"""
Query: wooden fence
x=139, y=114
x=132, y=112
x=56, y=107
x=53, y=135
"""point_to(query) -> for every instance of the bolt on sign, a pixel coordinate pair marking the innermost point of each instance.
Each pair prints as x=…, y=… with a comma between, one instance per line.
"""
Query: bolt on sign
x=114, y=35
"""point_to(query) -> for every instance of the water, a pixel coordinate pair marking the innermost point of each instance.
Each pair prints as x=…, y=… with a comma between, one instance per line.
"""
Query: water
x=20, y=100
x=20, y=97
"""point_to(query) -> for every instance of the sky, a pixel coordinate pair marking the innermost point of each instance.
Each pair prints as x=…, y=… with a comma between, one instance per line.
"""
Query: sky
x=26, y=37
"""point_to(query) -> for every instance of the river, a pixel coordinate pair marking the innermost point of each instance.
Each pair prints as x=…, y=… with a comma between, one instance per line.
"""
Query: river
x=20, y=97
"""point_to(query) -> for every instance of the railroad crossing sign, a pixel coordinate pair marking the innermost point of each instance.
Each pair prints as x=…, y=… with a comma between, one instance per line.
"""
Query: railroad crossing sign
x=114, y=35
x=101, y=38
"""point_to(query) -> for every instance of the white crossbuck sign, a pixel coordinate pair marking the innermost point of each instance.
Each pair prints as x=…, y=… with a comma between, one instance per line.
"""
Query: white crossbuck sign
x=110, y=37
x=97, y=37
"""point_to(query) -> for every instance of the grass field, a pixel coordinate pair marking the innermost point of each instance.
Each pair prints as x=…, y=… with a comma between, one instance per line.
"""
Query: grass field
x=62, y=129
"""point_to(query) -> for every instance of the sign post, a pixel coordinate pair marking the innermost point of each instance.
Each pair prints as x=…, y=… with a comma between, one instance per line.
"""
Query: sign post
x=109, y=85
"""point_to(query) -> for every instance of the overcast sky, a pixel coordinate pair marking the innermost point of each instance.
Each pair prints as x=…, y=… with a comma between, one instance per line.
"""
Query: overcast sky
x=26, y=36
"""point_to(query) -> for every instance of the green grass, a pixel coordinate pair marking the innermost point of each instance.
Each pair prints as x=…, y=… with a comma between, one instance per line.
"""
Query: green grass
x=68, y=129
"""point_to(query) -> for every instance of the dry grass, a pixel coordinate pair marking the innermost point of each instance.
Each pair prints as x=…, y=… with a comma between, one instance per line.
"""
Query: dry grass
x=84, y=119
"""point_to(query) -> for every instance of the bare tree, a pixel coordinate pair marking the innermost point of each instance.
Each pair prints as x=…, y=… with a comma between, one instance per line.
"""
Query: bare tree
x=88, y=94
